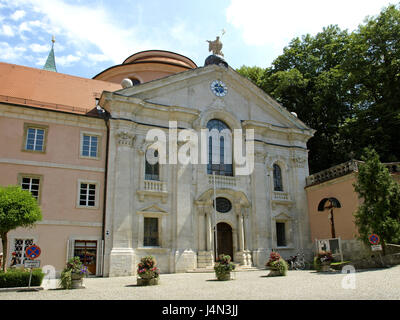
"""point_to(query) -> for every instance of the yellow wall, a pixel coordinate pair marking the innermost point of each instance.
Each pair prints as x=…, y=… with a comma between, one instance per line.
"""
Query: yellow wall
x=342, y=189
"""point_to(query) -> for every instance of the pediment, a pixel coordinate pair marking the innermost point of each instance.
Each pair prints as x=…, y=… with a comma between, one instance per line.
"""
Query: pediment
x=154, y=208
x=282, y=216
x=191, y=90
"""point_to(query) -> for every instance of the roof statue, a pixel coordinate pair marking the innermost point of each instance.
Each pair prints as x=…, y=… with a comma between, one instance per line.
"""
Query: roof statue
x=216, y=45
x=50, y=64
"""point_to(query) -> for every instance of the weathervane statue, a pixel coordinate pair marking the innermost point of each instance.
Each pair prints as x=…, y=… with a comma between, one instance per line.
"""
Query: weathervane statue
x=216, y=45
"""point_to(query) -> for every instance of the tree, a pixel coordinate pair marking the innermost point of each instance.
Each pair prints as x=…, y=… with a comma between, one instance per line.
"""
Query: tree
x=380, y=211
x=308, y=79
x=18, y=208
x=373, y=66
x=254, y=74
x=345, y=86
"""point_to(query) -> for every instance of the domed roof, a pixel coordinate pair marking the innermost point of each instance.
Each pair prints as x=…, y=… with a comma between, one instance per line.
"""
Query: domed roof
x=147, y=66
x=160, y=56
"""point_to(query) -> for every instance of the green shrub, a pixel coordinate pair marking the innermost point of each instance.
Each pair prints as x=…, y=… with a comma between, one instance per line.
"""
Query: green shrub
x=276, y=262
x=74, y=266
x=317, y=264
x=280, y=265
x=322, y=256
x=223, y=265
x=20, y=278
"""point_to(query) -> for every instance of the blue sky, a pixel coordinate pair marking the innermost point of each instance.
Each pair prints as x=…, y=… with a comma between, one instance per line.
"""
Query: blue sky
x=92, y=35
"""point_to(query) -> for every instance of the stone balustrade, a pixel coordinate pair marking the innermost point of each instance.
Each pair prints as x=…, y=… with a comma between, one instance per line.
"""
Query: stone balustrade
x=333, y=172
x=154, y=185
x=280, y=196
x=222, y=181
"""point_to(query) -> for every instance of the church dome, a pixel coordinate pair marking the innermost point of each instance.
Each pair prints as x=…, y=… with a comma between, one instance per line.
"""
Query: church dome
x=147, y=66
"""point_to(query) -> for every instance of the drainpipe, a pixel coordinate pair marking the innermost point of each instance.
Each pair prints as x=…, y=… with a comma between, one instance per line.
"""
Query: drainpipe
x=106, y=116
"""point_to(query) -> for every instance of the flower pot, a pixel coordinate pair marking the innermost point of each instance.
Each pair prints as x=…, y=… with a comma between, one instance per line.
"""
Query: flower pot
x=325, y=267
x=147, y=276
x=147, y=281
x=274, y=272
x=224, y=276
x=77, y=281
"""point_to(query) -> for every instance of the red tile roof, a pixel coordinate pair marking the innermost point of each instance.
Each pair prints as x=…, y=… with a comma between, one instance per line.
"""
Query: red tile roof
x=50, y=90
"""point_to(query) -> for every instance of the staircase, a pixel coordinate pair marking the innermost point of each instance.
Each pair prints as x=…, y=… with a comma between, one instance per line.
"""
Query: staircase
x=210, y=269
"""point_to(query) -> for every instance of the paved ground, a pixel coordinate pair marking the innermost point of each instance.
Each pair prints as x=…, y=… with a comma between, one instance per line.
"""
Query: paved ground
x=249, y=285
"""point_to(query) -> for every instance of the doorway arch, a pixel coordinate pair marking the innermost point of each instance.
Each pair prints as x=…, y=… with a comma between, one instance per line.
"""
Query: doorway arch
x=225, y=240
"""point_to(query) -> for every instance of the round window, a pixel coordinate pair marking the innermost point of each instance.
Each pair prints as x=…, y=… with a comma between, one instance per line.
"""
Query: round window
x=223, y=205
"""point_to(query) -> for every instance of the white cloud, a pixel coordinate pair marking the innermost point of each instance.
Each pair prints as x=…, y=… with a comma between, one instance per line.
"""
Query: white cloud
x=38, y=48
x=27, y=26
x=7, y=30
x=97, y=57
x=9, y=53
x=85, y=26
x=274, y=23
x=67, y=60
x=41, y=61
x=19, y=14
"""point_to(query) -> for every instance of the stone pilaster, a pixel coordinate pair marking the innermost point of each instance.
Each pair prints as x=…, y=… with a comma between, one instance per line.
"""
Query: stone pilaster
x=122, y=261
x=259, y=214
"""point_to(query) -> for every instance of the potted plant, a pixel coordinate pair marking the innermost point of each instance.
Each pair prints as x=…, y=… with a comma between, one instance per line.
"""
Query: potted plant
x=323, y=260
x=277, y=265
x=73, y=273
x=223, y=267
x=148, y=273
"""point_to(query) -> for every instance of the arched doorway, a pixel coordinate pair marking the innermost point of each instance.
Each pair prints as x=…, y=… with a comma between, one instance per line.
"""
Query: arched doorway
x=224, y=243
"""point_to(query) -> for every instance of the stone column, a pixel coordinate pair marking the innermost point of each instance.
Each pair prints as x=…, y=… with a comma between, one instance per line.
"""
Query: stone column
x=122, y=260
x=204, y=256
x=201, y=228
x=209, y=232
x=246, y=230
x=240, y=255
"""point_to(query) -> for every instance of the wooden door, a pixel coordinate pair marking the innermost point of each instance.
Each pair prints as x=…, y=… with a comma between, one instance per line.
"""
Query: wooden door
x=224, y=234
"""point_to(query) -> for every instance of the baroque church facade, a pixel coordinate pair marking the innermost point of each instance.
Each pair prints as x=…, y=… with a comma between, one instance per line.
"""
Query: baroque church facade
x=182, y=214
x=169, y=214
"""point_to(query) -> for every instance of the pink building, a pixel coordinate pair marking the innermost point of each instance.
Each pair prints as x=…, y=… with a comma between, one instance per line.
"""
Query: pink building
x=54, y=143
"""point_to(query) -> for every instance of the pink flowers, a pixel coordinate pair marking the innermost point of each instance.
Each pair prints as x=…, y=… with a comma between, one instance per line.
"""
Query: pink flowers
x=147, y=269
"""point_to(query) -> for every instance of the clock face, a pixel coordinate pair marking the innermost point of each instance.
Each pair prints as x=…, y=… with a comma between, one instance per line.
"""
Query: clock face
x=219, y=88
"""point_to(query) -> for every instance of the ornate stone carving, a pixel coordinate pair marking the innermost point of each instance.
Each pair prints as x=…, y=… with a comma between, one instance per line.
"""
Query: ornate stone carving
x=125, y=138
x=299, y=162
x=260, y=156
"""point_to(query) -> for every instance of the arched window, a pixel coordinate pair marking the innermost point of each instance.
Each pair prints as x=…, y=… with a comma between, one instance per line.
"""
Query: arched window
x=152, y=171
x=223, y=164
x=278, y=186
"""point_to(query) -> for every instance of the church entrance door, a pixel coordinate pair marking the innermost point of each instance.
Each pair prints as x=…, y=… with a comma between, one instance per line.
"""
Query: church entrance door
x=224, y=243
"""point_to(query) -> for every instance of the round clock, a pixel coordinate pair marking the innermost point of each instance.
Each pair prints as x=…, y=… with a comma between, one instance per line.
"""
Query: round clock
x=219, y=88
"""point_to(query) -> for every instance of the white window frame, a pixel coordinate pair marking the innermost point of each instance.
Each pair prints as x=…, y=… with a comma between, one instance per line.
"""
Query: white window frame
x=21, y=176
x=90, y=134
x=96, y=196
x=35, y=127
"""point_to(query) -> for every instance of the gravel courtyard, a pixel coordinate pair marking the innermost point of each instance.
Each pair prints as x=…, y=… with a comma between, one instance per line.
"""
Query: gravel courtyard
x=250, y=285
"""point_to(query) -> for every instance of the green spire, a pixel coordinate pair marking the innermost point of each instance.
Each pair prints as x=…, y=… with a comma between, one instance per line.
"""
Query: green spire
x=50, y=64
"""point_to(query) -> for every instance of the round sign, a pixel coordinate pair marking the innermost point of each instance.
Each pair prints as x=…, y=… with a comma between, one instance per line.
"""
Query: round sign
x=32, y=252
x=374, y=239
